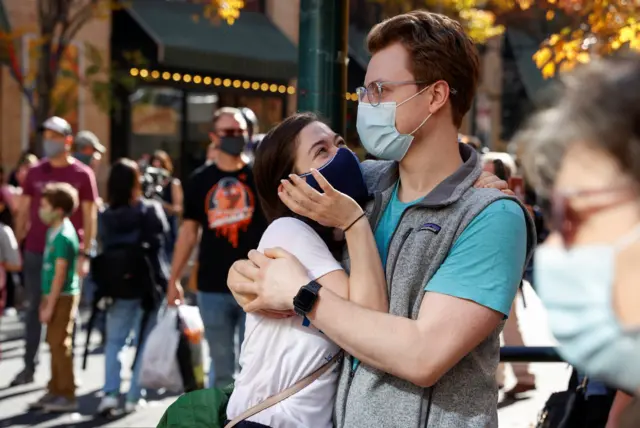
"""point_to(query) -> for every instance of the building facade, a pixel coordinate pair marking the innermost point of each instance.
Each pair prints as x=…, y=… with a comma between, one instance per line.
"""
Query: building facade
x=192, y=67
x=18, y=24
x=183, y=67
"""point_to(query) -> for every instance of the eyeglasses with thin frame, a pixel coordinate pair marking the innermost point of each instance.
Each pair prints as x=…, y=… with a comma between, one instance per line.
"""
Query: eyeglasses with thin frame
x=373, y=91
x=566, y=220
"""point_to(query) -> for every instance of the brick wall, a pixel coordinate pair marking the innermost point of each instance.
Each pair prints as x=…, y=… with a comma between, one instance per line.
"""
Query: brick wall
x=22, y=16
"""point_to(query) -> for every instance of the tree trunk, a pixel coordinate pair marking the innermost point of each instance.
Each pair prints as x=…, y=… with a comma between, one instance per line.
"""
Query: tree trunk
x=49, y=13
x=44, y=86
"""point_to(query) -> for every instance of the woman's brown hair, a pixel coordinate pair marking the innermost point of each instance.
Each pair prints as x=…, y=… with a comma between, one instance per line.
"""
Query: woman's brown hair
x=123, y=183
x=275, y=159
x=164, y=159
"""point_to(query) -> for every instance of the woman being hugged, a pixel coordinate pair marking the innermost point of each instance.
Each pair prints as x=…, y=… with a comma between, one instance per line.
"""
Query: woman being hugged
x=278, y=352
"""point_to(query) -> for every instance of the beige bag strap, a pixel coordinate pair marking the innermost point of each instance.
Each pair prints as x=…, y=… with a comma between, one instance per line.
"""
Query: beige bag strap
x=295, y=388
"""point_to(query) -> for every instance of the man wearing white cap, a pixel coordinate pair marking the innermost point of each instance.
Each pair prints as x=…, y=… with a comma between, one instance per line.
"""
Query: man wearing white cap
x=57, y=166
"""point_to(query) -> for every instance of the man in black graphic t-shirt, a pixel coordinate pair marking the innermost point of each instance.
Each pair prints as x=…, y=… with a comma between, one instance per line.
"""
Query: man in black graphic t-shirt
x=220, y=199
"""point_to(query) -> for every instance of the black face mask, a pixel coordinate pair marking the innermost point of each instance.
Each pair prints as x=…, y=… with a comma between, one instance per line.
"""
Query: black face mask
x=233, y=145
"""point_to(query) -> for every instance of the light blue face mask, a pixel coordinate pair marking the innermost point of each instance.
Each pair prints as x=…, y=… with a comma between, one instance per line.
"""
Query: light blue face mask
x=52, y=148
x=576, y=287
x=377, y=129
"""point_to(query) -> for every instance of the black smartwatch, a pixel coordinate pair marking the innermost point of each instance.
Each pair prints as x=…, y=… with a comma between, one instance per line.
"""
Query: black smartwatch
x=306, y=298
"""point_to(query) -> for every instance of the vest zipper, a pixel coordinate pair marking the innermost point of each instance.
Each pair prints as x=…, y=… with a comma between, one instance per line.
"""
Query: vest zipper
x=429, y=406
x=375, y=211
x=395, y=260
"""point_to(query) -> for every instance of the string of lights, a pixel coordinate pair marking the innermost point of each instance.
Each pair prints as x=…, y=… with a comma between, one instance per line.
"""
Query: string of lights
x=151, y=75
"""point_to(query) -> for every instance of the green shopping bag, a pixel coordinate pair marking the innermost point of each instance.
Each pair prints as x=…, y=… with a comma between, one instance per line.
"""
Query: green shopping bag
x=203, y=408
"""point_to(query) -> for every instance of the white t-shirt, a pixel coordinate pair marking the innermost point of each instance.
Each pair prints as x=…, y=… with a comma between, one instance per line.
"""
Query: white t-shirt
x=277, y=353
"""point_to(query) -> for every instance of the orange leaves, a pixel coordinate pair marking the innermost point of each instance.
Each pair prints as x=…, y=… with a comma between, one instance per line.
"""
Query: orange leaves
x=601, y=27
x=215, y=10
x=595, y=27
x=480, y=24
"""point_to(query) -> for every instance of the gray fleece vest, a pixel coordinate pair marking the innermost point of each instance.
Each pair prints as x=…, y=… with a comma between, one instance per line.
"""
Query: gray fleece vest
x=467, y=395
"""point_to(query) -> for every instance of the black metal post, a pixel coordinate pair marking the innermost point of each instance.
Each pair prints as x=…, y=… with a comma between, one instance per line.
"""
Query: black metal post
x=527, y=354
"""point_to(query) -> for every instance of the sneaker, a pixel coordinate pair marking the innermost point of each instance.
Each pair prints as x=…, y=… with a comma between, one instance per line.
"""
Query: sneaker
x=132, y=406
x=22, y=378
x=40, y=403
x=108, y=404
x=520, y=388
x=61, y=405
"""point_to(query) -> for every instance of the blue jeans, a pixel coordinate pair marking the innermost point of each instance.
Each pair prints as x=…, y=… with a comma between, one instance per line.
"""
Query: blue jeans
x=222, y=317
x=123, y=317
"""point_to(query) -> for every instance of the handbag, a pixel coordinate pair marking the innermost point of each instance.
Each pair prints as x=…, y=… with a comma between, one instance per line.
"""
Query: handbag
x=295, y=388
x=561, y=407
x=575, y=408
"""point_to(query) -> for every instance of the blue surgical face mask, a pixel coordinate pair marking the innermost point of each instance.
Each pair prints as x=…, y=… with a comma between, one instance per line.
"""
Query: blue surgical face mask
x=378, y=133
x=52, y=148
x=343, y=172
x=576, y=287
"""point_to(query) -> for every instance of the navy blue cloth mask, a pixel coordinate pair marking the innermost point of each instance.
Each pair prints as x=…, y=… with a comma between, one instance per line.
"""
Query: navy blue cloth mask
x=343, y=172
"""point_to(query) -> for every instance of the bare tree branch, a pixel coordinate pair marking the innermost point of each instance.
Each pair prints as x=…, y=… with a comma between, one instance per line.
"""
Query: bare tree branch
x=78, y=20
x=63, y=20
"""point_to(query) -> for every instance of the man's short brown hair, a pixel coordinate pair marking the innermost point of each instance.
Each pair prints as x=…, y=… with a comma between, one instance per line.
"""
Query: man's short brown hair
x=439, y=50
x=61, y=196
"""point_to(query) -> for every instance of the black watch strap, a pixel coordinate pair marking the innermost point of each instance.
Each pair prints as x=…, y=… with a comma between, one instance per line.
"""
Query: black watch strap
x=314, y=287
x=306, y=298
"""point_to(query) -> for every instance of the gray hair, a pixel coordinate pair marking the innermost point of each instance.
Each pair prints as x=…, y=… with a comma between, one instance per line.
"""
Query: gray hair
x=544, y=149
x=599, y=106
x=236, y=113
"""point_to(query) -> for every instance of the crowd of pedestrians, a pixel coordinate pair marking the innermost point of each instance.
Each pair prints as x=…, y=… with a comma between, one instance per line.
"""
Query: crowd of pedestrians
x=340, y=293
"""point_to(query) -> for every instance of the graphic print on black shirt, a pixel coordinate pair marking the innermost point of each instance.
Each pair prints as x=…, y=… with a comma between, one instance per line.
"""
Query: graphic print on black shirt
x=231, y=205
x=225, y=205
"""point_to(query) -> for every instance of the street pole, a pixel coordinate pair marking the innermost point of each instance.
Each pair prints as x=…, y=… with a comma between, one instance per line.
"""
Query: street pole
x=322, y=60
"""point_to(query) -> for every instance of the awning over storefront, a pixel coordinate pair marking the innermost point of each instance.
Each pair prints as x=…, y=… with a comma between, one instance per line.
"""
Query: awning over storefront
x=524, y=46
x=184, y=38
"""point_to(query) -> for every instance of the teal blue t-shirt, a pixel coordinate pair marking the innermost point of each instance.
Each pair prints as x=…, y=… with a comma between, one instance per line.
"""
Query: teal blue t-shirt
x=485, y=263
x=388, y=223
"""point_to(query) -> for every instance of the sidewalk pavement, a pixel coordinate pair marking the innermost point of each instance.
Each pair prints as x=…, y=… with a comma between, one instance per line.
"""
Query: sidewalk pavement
x=521, y=413
x=14, y=401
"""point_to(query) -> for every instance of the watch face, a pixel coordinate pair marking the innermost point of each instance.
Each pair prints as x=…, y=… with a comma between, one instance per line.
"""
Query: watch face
x=305, y=299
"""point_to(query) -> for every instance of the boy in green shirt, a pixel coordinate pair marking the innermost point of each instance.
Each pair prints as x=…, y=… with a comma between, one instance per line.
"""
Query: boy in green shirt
x=60, y=293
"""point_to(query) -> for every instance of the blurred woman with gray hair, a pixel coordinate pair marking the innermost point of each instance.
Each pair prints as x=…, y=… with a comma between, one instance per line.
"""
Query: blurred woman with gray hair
x=583, y=156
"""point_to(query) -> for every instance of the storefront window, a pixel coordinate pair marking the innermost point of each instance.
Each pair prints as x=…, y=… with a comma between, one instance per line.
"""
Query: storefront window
x=156, y=117
x=268, y=110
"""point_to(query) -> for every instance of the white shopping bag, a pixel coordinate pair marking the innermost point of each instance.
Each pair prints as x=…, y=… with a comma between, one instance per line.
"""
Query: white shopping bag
x=159, y=367
x=193, y=326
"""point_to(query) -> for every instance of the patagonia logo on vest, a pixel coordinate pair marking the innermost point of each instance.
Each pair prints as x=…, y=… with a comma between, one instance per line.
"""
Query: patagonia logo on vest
x=431, y=227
